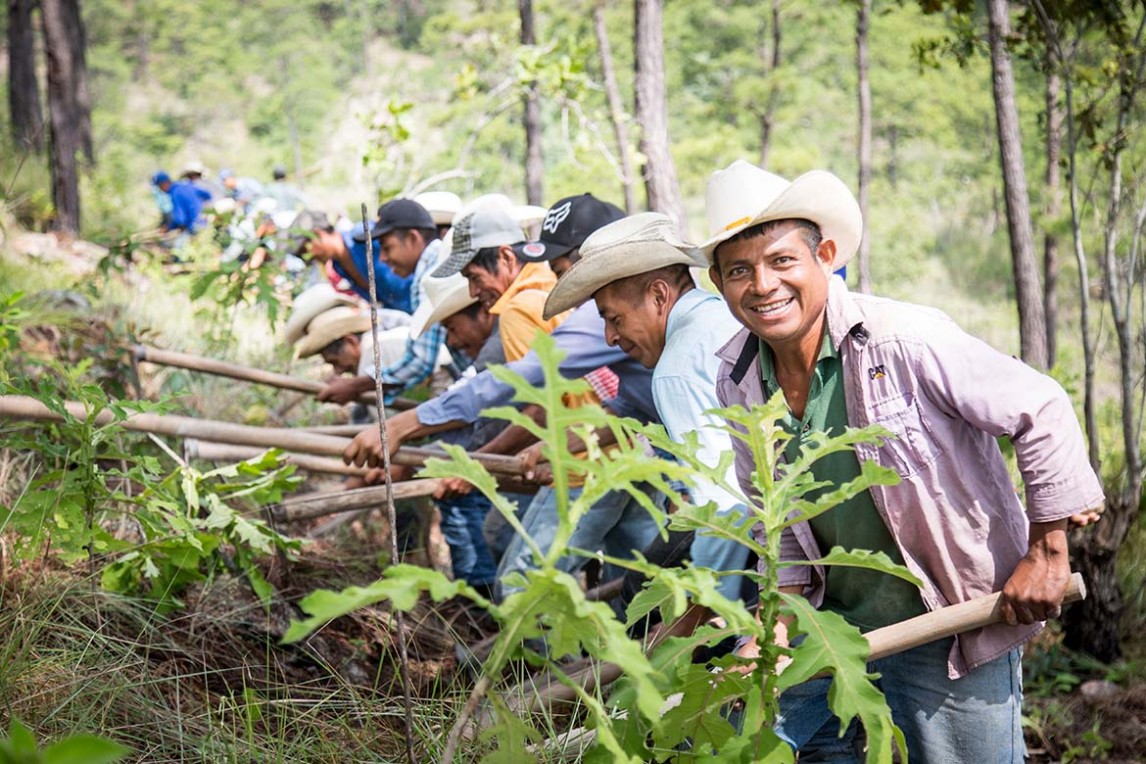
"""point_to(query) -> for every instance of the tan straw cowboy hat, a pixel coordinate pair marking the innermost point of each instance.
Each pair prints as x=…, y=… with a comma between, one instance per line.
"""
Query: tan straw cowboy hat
x=315, y=300
x=742, y=195
x=332, y=325
x=444, y=297
x=628, y=247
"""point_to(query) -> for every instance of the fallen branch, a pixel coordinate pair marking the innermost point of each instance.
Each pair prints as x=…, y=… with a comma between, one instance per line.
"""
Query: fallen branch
x=246, y=373
x=328, y=503
x=194, y=448
x=309, y=507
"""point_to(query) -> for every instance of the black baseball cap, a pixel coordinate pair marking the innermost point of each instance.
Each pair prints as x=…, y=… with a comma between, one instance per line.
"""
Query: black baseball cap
x=399, y=213
x=566, y=226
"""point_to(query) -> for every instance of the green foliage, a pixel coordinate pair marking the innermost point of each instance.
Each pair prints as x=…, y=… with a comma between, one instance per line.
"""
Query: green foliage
x=20, y=747
x=633, y=723
x=188, y=522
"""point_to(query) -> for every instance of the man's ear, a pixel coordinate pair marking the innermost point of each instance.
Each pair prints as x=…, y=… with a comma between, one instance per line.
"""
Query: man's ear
x=354, y=341
x=714, y=274
x=826, y=254
x=506, y=257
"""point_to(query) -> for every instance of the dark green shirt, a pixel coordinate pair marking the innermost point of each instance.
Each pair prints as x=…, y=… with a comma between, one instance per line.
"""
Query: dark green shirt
x=868, y=599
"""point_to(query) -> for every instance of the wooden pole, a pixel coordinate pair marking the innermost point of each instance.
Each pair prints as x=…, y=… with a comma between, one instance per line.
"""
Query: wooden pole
x=320, y=505
x=245, y=373
x=345, y=430
x=194, y=448
x=896, y=638
x=288, y=439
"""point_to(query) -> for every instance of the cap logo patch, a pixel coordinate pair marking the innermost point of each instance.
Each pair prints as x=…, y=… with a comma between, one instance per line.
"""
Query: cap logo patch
x=533, y=249
x=555, y=217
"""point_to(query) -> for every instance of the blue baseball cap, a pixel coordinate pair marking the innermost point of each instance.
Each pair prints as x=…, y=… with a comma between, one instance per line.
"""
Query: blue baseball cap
x=160, y=177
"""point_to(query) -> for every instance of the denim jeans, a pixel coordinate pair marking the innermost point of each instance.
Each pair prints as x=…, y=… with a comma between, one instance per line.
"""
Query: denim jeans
x=462, y=519
x=973, y=719
x=616, y=525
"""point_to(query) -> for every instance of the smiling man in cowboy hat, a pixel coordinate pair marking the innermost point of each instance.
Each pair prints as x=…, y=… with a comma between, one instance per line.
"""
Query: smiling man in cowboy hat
x=636, y=270
x=953, y=519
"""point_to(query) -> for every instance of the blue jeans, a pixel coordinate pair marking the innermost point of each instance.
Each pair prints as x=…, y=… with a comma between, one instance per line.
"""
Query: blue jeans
x=462, y=519
x=973, y=719
x=616, y=525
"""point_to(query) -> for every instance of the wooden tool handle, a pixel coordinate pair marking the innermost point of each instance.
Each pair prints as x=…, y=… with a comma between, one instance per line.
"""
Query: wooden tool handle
x=951, y=620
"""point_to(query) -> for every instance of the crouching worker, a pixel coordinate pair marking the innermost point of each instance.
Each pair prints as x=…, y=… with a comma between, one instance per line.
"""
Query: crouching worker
x=636, y=270
x=954, y=519
x=336, y=326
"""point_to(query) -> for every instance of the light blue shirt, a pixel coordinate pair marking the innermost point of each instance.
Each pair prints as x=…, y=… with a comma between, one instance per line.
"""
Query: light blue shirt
x=582, y=338
x=684, y=388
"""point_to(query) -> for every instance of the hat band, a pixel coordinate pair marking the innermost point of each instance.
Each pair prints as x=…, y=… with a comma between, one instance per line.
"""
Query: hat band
x=735, y=223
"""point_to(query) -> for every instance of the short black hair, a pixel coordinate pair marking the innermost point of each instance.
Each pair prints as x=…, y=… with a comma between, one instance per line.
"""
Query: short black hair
x=428, y=234
x=677, y=276
x=486, y=258
x=334, y=348
x=810, y=232
x=473, y=310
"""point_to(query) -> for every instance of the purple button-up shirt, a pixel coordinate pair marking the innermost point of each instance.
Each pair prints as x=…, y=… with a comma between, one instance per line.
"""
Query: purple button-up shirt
x=946, y=396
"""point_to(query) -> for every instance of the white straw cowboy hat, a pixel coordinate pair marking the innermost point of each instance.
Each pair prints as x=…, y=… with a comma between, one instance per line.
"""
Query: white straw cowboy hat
x=331, y=325
x=444, y=297
x=318, y=299
x=443, y=206
x=628, y=247
x=743, y=195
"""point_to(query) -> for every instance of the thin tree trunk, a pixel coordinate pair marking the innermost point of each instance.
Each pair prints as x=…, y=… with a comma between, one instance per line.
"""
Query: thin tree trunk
x=661, y=184
x=616, y=107
x=23, y=85
x=531, y=118
x=65, y=107
x=863, y=17
x=1032, y=323
x=767, y=117
x=1054, y=208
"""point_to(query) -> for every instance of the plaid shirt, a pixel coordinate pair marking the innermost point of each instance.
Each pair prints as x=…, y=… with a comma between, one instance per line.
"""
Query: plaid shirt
x=421, y=356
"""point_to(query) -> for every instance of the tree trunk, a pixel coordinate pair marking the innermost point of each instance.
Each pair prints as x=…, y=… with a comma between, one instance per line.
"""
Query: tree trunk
x=768, y=115
x=659, y=172
x=616, y=107
x=68, y=107
x=531, y=119
x=863, y=17
x=23, y=85
x=1032, y=322
x=1054, y=209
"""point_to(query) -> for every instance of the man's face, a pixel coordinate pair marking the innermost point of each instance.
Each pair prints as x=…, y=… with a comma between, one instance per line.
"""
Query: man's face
x=488, y=287
x=325, y=246
x=774, y=284
x=165, y=186
x=467, y=333
x=634, y=323
x=401, y=250
x=231, y=182
x=345, y=360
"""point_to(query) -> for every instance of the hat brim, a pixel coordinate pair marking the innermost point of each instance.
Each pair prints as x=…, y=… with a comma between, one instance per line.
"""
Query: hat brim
x=587, y=275
x=309, y=305
x=376, y=232
x=429, y=313
x=818, y=196
x=540, y=251
x=314, y=341
x=454, y=263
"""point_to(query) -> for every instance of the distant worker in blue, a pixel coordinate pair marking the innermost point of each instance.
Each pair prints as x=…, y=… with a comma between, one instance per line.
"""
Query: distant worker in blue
x=162, y=198
x=187, y=202
x=245, y=191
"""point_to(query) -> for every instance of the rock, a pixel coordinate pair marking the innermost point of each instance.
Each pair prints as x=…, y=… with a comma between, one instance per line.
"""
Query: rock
x=1098, y=689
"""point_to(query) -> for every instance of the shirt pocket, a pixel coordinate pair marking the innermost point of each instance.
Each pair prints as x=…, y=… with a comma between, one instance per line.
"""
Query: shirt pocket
x=913, y=445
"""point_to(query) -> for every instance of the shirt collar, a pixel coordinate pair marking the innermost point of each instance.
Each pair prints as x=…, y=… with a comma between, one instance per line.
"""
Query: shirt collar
x=768, y=369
